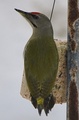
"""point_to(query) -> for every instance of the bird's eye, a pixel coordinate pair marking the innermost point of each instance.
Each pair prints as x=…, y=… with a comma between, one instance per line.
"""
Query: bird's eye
x=34, y=16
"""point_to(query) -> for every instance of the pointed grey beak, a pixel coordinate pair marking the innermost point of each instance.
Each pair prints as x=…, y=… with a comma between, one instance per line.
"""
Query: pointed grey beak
x=23, y=13
x=27, y=15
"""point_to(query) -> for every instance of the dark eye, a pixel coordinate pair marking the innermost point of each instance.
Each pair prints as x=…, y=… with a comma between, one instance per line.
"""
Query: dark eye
x=34, y=16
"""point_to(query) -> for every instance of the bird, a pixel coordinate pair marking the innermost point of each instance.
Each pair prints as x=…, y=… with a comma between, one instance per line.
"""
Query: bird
x=40, y=61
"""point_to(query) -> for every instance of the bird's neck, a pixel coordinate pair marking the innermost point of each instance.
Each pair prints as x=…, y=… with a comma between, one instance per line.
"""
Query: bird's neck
x=43, y=32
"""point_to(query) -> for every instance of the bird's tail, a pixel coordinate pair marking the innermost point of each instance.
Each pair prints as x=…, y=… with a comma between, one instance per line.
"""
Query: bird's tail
x=49, y=103
x=41, y=103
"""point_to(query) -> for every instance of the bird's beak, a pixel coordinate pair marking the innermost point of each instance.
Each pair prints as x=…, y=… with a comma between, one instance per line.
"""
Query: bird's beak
x=27, y=15
x=23, y=13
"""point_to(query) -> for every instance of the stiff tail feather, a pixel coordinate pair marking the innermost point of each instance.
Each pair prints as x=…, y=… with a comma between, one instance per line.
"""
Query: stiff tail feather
x=49, y=104
x=46, y=104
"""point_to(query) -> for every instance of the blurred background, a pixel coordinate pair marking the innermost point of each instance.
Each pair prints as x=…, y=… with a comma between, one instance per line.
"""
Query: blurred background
x=14, y=33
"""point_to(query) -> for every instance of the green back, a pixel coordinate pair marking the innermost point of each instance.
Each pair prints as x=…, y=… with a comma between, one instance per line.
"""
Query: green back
x=41, y=64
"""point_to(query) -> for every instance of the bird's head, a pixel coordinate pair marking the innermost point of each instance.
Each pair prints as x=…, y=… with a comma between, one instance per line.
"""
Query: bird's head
x=36, y=19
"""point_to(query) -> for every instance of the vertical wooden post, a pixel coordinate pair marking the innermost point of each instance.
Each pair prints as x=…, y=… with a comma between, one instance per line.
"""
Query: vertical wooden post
x=73, y=61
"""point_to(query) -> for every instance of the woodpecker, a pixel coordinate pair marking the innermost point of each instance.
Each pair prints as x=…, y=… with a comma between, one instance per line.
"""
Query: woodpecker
x=40, y=61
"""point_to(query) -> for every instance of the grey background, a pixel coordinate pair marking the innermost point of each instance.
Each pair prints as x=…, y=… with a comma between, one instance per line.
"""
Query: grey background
x=14, y=33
